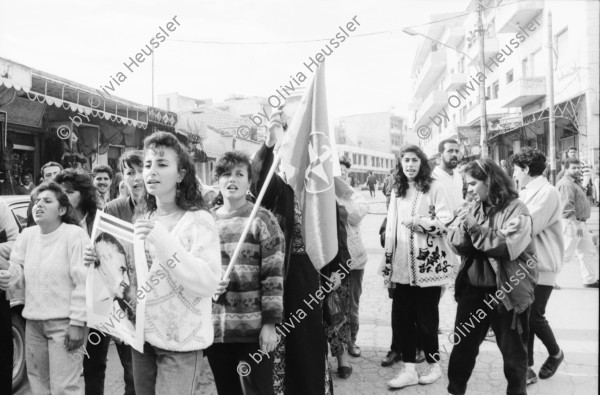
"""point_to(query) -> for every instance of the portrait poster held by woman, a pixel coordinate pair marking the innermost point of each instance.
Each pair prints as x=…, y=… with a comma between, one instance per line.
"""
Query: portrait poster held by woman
x=420, y=265
x=47, y=260
x=184, y=259
x=300, y=358
x=83, y=197
x=498, y=274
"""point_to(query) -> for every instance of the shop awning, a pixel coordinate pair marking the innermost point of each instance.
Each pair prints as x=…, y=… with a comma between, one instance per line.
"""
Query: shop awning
x=62, y=93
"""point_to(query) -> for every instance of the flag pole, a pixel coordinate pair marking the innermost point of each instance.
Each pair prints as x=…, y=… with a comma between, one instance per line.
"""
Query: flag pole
x=257, y=203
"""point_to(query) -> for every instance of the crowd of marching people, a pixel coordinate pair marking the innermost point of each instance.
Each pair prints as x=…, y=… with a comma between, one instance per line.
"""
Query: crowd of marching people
x=494, y=235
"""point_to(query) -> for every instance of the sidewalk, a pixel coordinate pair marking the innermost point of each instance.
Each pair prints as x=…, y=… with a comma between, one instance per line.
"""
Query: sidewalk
x=572, y=312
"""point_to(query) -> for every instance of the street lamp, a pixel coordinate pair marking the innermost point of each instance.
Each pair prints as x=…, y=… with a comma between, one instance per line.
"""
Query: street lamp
x=481, y=68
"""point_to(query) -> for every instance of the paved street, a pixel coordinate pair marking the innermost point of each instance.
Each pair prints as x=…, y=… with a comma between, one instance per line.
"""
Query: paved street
x=572, y=312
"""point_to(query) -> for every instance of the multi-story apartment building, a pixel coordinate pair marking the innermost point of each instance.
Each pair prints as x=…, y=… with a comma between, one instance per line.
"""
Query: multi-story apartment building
x=446, y=75
x=371, y=141
x=366, y=160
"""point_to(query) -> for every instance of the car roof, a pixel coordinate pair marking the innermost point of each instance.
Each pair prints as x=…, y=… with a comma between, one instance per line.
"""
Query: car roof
x=12, y=199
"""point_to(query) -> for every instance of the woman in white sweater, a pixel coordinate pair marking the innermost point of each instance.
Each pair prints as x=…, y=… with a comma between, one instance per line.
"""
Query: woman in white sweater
x=47, y=260
x=420, y=263
x=543, y=201
x=184, y=259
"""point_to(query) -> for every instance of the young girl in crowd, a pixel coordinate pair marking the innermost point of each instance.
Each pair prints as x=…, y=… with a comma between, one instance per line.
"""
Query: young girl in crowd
x=251, y=301
x=83, y=197
x=182, y=250
x=420, y=262
x=543, y=201
x=47, y=260
x=496, y=281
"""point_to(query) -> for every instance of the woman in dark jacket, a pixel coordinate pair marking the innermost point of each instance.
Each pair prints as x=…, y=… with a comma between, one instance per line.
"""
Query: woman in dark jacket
x=496, y=279
x=300, y=359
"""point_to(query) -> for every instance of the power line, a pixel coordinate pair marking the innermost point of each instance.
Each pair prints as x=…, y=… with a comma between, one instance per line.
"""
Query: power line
x=327, y=39
x=278, y=42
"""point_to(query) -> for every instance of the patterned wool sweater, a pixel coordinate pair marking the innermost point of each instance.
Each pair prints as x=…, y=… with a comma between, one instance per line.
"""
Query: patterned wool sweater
x=254, y=296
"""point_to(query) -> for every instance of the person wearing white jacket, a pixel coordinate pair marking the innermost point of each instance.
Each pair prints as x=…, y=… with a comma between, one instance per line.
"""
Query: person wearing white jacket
x=544, y=204
x=357, y=208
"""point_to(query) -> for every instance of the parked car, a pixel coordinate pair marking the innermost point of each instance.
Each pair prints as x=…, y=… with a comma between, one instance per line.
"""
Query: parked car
x=18, y=206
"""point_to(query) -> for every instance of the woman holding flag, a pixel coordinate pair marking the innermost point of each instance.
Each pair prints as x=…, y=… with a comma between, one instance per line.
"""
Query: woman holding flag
x=304, y=343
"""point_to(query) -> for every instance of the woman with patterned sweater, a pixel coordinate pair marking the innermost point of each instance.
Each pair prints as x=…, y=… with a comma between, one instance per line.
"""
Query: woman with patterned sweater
x=183, y=256
x=420, y=264
x=251, y=299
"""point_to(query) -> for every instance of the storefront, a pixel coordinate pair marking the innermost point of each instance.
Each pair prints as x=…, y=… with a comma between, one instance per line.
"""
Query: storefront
x=46, y=118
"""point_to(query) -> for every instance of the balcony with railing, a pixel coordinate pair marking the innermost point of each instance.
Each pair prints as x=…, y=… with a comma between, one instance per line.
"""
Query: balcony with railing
x=490, y=48
x=518, y=14
x=492, y=108
x=433, y=103
x=431, y=68
x=522, y=91
x=455, y=81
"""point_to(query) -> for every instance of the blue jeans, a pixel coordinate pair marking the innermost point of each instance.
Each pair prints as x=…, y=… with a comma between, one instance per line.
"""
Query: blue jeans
x=159, y=371
x=50, y=367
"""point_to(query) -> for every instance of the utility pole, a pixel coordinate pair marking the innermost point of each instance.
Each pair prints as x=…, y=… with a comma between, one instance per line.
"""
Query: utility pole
x=550, y=93
x=483, y=117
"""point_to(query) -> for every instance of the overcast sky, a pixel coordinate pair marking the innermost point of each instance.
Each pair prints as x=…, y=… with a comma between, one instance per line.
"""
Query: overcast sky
x=88, y=42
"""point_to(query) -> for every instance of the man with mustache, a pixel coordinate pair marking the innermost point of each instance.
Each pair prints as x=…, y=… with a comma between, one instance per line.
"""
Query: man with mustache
x=102, y=175
x=447, y=174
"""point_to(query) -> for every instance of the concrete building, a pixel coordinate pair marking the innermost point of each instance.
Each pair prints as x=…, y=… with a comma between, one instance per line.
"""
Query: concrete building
x=446, y=78
x=371, y=141
x=177, y=103
x=366, y=160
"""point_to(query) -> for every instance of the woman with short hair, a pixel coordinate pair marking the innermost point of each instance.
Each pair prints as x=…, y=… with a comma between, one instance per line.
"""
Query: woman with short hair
x=545, y=207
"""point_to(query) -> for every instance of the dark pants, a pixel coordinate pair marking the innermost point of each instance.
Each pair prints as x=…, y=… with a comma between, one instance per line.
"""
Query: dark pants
x=356, y=278
x=538, y=325
x=418, y=314
x=372, y=190
x=94, y=367
x=6, y=346
x=230, y=376
x=305, y=342
x=473, y=318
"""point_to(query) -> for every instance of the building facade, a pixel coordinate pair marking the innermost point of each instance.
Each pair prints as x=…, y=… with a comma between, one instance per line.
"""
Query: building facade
x=44, y=117
x=518, y=65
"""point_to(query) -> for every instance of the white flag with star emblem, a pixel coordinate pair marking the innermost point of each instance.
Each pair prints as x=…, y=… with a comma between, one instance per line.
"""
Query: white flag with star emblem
x=307, y=157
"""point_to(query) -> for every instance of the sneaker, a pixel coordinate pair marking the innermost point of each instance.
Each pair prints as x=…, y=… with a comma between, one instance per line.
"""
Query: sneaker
x=433, y=373
x=592, y=285
x=391, y=358
x=531, y=376
x=551, y=365
x=408, y=376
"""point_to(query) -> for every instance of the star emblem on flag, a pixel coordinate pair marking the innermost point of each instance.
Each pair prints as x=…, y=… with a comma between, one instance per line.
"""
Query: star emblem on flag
x=319, y=173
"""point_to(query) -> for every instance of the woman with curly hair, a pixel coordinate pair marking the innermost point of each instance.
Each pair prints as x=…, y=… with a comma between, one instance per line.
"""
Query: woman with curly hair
x=84, y=199
x=420, y=265
x=496, y=281
x=82, y=195
x=184, y=267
